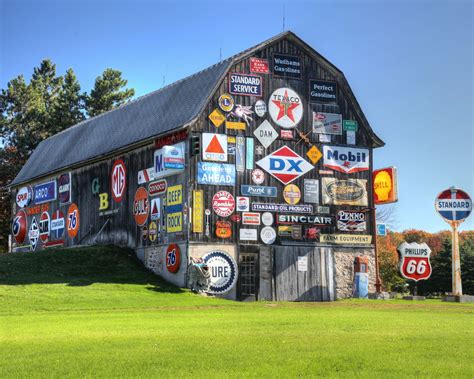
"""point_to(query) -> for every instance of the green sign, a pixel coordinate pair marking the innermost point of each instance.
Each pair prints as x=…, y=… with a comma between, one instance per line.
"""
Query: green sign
x=350, y=125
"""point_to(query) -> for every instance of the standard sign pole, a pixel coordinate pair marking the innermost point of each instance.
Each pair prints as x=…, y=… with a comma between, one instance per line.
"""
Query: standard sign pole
x=454, y=206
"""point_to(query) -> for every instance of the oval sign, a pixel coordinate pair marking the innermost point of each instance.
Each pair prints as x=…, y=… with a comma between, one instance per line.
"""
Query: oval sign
x=24, y=196
x=73, y=220
x=223, y=271
x=345, y=190
x=173, y=258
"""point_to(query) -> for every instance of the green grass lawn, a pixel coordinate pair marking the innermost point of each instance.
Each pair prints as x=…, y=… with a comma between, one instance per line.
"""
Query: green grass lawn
x=96, y=313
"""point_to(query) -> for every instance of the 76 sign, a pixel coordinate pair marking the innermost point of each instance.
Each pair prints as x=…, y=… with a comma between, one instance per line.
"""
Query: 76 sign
x=415, y=261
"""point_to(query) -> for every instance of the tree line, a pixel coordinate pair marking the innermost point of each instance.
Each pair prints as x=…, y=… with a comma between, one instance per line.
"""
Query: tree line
x=31, y=111
x=440, y=245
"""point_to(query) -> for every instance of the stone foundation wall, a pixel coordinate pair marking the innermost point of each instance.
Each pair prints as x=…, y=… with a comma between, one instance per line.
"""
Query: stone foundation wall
x=344, y=270
x=154, y=260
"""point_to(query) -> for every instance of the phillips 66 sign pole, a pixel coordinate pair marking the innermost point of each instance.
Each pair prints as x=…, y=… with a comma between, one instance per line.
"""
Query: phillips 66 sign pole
x=454, y=206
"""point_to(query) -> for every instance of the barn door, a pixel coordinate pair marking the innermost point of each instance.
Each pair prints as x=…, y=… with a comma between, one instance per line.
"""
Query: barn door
x=248, y=273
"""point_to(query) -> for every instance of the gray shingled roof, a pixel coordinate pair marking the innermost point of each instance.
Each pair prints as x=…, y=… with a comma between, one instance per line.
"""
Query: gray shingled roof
x=158, y=112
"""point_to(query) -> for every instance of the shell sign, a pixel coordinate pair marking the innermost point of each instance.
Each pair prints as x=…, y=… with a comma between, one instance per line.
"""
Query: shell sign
x=385, y=185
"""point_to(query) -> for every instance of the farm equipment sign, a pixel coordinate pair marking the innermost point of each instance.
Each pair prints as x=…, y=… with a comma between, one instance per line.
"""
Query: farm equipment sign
x=415, y=261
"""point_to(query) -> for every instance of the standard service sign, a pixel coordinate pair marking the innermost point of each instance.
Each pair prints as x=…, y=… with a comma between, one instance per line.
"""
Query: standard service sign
x=453, y=205
x=223, y=271
x=285, y=108
x=246, y=85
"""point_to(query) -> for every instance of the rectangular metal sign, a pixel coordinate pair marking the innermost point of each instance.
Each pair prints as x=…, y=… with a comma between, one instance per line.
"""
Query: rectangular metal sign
x=244, y=84
x=327, y=123
x=322, y=91
x=250, y=154
x=381, y=229
x=45, y=192
x=287, y=66
x=311, y=191
x=304, y=219
x=283, y=208
x=174, y=195
x=240, y=153
x=249, y=190
x=303, y=264
x=351, y=221
x=248, y=234
x=346, y=239
x=351, y=125
x=217, y=174
x=160, y=169
x=250, y=218
x=259, y=65
x=198, y=211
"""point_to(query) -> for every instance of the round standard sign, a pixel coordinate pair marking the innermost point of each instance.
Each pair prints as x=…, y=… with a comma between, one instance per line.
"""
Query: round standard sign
x=453, y=205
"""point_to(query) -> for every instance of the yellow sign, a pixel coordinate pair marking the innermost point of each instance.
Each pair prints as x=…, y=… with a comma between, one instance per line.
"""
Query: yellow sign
x=174, y=195
x=235, y=125
x=198, y=209
x=152, y=231
x=230, y=139
x=174, y=222
x=292, y=194
x=385, y=185
x=314, y=154
x=346, y=239
x=217, y=118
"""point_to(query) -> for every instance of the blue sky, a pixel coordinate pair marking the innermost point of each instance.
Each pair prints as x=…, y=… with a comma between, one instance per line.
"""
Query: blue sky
x=409, y=63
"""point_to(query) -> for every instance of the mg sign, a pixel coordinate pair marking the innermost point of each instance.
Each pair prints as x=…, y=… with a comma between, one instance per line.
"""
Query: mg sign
x=118, y=180
x=415, y=261
x=285, y=165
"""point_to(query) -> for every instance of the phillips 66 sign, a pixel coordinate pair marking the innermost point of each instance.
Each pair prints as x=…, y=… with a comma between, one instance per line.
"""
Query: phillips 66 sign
x=415, y=261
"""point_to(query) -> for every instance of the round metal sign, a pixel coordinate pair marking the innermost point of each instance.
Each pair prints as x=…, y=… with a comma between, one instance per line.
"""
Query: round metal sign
x=260, y=108
x=20, y=227
x=292, y=194
x=226, y=102
x=24, y=196
x=267, y=219
x=223, y=270
x=285, y=108
x=268, y=235
x=258, y=176
x=223, y=203
x=453, y=205
x=173, y=258
x=140, y=206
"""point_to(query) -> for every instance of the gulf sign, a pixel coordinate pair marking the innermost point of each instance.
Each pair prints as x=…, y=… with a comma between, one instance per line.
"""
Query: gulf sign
x=385, y=185
x=345, y=159
x=453, y=205
x=45, y=192
x=285, y=165
x=244, y=84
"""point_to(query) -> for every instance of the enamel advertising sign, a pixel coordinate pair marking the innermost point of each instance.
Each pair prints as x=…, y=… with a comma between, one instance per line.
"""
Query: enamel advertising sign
x=248, y=190
x=285, y=165
x=223, y=270
x=166, y=163
x=344, y=192
x=259, y=65
x=415, y=261
x=140, y=206
x=346, y=159
x=173, y=157
x=266, y=134
x=57, y=225
x=73, y=220
x=216, y=174
x=453, y=205
x=19, y=227
x=24, y=196
x=45, y=192
x=118, y=179
x=285, y=107
x=65, y=183
x=287, y=66
x=321, y=91
x=351, y=221
x=327, y=123
x=245, y=85
x=33, y=234
x=214, y=147
x=385, y=185
x=223, y=203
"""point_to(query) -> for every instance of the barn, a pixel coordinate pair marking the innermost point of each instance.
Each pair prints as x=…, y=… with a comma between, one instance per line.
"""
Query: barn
x=259, y=166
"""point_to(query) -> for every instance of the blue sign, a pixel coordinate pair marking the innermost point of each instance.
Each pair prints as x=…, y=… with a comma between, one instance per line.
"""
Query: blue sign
x=244, y=84
x=45, y=192
x=247, y=190
x=250, y=154
x=217, y=174
x=381, y=229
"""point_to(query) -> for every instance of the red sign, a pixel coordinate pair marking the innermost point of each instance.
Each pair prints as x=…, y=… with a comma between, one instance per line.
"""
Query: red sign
x=415, y=261
x=44, y=226
x=73, y=220
x=118, y=180
x=223, y=229
x=259, y=65
x=385, y=185
x=19, y=227
x=286, y=134
x=37, y=209
x=223, y=203
x=171, y=139
x=173, y=258
x=140, y=206
x=235, y=218
x=157, y=188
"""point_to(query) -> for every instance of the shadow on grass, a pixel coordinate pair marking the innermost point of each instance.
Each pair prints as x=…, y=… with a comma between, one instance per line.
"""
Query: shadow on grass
x=80, y=267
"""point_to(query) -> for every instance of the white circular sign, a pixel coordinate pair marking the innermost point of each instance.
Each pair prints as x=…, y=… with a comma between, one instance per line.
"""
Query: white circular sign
x=260, y=108
x=24, y=196
x=258, y=176
x=223, y=203
x=223, y=271
x=207, y=212
x=267, y=218
x=268, y=235
x=285, y=107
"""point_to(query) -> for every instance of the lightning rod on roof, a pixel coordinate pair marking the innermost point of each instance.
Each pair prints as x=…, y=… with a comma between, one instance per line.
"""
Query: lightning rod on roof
x=283, y=17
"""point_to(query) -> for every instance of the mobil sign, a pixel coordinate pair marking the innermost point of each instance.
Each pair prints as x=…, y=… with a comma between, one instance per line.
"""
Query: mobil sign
x=345, y=159
x=285, y=165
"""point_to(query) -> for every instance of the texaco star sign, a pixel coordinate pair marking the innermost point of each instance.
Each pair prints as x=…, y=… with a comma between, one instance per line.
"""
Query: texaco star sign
x=285, y=108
